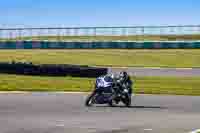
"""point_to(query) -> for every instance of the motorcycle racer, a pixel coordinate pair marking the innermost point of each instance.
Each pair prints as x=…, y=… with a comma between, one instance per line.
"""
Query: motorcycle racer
x=126, y=80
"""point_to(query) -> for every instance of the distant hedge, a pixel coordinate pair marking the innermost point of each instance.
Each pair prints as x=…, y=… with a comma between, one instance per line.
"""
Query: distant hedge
x=51, y=70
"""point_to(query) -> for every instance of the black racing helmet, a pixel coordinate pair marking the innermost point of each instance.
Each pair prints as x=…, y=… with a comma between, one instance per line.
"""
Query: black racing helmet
x=124, y=75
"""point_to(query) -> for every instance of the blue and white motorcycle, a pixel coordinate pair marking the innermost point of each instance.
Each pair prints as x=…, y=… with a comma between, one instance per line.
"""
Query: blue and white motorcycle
x=109, y=91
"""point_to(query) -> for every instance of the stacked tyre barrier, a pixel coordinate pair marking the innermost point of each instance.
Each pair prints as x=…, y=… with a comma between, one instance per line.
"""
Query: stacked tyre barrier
x=99, y=45
x=51, y=70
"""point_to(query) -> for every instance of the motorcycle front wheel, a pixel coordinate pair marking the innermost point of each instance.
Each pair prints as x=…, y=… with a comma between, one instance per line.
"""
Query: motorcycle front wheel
x=90, y=99
x=127, y=101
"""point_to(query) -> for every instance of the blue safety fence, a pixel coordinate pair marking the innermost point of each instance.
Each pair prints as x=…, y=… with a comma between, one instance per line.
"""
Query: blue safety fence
x=99, y=45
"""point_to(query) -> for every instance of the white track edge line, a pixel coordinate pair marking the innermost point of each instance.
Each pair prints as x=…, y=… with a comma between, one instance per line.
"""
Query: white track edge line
x=195, y=131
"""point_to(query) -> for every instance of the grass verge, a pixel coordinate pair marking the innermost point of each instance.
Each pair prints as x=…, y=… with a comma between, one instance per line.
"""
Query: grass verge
x=107, y=57
x=143, y=85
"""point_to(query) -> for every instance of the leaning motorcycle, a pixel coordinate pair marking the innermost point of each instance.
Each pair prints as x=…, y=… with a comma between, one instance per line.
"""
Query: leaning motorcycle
x=109, y=91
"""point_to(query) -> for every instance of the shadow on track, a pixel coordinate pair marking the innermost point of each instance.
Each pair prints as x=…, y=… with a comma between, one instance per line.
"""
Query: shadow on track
x=149, y=107
x=136, y=107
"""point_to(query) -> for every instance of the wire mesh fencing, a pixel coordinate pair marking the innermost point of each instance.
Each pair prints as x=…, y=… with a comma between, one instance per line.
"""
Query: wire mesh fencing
x=138, y=33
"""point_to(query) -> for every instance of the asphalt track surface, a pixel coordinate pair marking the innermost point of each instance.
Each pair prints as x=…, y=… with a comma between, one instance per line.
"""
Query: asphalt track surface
x=178, y=72
x=66, y=113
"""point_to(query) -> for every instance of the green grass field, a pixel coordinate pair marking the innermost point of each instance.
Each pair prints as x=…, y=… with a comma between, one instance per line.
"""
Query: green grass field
x=146, y=85
x=107, y=57
x=112, y=38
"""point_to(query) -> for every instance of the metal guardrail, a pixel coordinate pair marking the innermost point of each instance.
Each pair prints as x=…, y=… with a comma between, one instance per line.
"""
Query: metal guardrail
x=19, y=33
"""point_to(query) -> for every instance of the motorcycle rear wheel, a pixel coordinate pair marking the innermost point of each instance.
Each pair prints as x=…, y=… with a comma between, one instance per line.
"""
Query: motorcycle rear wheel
x=112, y=101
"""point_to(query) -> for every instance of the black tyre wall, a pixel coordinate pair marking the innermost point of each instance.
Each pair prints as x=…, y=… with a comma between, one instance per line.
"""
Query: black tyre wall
x=51, y=70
